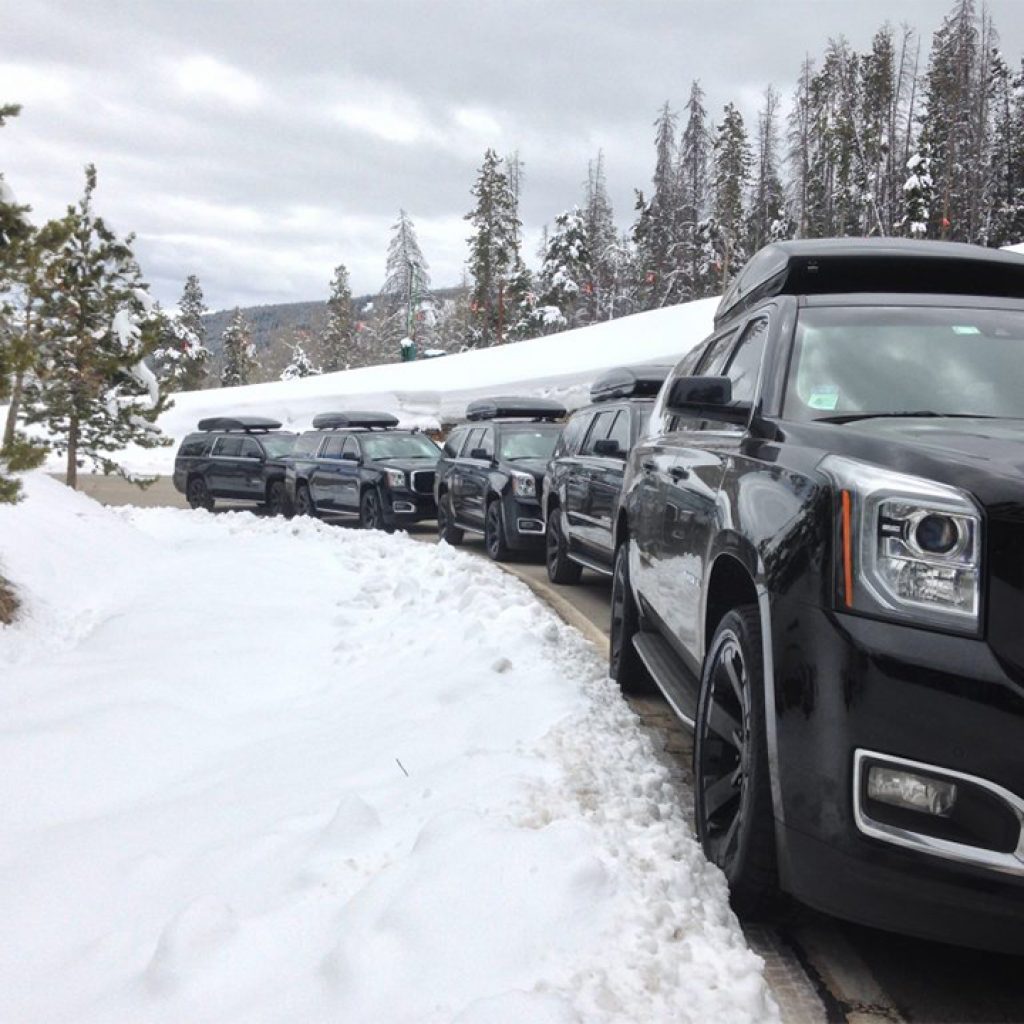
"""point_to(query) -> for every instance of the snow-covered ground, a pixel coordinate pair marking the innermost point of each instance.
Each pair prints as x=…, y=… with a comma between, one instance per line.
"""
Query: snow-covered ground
x=257, y=770
x=431, y=391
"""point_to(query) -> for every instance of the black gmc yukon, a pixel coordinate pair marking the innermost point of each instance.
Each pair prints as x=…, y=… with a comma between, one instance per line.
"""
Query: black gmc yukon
x=820, y=561
x=234, y=458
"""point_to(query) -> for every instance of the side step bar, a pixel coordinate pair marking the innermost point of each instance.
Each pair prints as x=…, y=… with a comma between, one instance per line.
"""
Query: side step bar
x=675, y=682
x=588, y=564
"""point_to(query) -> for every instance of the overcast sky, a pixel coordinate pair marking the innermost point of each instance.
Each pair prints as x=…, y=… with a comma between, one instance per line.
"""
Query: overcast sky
x=258, y=144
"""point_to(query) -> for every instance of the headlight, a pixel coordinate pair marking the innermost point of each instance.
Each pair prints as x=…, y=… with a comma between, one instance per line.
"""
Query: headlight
x=396, y=478
x=524, y=485
x=907, y=548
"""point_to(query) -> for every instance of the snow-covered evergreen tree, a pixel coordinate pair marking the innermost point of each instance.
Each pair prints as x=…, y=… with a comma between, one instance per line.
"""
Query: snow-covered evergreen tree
x=767, y=220
x=179, y=359
x=493, y=252
x=195, y=355
x=731, y=177
x=300, y=365
x=94, y=393
x=918, y=198
x=693, y=177
x=405, y=297
x=567, y=270
x=602, y=243
x=336, y=342
x=240, y=362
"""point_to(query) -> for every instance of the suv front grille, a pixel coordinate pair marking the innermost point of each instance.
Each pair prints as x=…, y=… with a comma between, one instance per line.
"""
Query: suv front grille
x=422, y=481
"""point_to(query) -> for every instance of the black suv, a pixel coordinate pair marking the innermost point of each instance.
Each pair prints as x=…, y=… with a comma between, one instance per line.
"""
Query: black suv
x=491, y=473
x=236, y=458
x=583, y=481
x=360, y=464
x=820, y=561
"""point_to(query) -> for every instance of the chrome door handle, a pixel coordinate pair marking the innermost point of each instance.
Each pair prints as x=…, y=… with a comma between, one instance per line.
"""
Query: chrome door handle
x=679, y=473
x=648, y=466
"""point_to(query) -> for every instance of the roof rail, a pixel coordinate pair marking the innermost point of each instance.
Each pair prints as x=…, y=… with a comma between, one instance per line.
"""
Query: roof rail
x=514, y=408
x=629, y=382
x=248, y=424
x=367, y=420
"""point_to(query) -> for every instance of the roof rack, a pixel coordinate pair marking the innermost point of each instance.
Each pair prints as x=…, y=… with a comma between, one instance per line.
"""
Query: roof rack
x=629, y=382
x=514, y=408
x=366, y=420
x=248, y=424
x=882, y=265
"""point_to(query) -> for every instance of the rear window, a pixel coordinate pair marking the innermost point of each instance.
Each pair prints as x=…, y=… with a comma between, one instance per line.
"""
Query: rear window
x=307, y=445
x=191, y=447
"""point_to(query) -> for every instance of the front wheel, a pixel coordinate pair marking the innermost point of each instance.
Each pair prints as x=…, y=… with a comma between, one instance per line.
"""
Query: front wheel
x=276, y=498
x=304, y=501
x=624, y=664
x=494, y=534
x=733, y=806
x=198, y=494
x=561, y=568
x=446, y=528
x=371, y=515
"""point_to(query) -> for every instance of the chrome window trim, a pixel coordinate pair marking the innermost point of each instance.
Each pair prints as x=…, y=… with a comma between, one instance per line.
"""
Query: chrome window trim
x=962, y=853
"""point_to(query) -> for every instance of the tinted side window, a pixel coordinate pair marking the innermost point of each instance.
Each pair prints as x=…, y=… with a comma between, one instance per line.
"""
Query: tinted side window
x=598, y=430
x=250, y=449
x=487, y=442
x=191, y=448
x=716, y=356
x=227, y=446
x=332, y=449
x=746, y=361
x=620, y=430
x=472, y=441
x=454, y=441
x=351, y=446
x=306, y=446
x=572, y=434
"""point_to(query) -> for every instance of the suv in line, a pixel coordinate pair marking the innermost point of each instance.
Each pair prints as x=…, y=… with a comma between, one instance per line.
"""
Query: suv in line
x=820, y=562
x=584, y=477
x=361, y=464
x=491, y=473
x=234, y=458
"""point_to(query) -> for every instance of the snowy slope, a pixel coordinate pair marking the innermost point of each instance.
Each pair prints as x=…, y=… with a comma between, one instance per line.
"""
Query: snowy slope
x=385, y=785
x=428, y=392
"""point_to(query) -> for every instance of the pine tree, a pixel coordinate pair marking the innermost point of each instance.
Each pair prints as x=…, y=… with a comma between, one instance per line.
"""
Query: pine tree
x=918, y=197
x=493, y=252
x=94, y=393
x=602, y=243
x=767, y=219
x=300, y=365
x=567, y=268
x=406, y=294
x=732, y=170
x=191, y=310
x=179, y=359
x=337, y=342
x=693, y=175
x=240, y=363
x=1006, y=195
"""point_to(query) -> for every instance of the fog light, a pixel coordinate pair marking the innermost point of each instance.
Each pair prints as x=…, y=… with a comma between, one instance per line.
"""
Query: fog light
x=913, y=792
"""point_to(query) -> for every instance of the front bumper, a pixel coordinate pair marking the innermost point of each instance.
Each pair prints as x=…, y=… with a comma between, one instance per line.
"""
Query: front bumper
x=405, y=506
x=846, y=687
x=524, y=523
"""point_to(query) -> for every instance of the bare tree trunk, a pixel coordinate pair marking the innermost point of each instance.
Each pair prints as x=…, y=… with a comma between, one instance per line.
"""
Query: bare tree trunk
x=71, y=478
x=12, y=411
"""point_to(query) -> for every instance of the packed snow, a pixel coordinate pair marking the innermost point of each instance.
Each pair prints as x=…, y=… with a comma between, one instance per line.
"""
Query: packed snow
x=259, y=770
x=430, y=392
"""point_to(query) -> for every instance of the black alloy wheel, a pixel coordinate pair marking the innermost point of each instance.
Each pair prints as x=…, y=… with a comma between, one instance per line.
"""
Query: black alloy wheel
x=624, y=664
x=198, y=494
x=494, y=534
x=733, y=806
x=276, y=498
x=304, y=501
x=371, y=515
x=446, y=528
x=561, y=568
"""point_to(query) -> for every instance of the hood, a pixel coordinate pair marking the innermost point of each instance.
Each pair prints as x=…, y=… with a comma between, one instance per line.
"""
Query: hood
x=535, y=466
x=409, y=465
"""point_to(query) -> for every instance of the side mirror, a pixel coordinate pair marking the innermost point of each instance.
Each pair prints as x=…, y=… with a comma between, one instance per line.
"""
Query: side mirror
x=480, y=453
x=609, y=447
x=710, y=397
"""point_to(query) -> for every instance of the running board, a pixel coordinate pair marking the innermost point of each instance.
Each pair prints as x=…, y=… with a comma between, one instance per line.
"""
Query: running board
x=468, y=529
x=587, y=564
x=678, y=686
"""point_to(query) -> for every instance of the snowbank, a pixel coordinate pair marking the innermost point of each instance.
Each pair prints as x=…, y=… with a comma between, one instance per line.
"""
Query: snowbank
x=431, y=391
x=254, y=770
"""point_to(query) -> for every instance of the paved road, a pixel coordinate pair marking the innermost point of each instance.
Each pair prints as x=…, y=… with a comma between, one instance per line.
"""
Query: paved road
x=820, y=969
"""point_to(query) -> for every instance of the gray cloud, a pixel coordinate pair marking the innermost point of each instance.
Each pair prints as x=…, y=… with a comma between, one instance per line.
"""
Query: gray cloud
x=258, y=144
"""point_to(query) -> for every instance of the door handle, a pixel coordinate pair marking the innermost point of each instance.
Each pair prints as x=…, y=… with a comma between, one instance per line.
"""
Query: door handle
x=679, y=473
x=648, y=466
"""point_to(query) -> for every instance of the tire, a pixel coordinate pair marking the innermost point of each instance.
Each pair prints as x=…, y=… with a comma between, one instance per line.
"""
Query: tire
x=494, y=533
x=276, y=498
x=733, y=801
x=561, y=568
x=304, y=501
x=446, y=528
x=624, y=664
x=371, y=514
x=198, y=494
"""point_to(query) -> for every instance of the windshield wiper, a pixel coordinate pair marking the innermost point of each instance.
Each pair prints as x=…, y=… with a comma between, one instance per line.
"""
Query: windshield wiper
x=851, y=417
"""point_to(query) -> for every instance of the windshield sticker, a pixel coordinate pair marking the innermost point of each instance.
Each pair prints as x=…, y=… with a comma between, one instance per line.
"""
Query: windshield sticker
x=965, y=329
x=824, y=398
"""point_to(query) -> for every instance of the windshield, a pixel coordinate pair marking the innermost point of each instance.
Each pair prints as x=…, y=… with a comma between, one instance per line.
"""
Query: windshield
x=398, y=446
x=277, y=445
x=906, y=360
x=537, y=441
